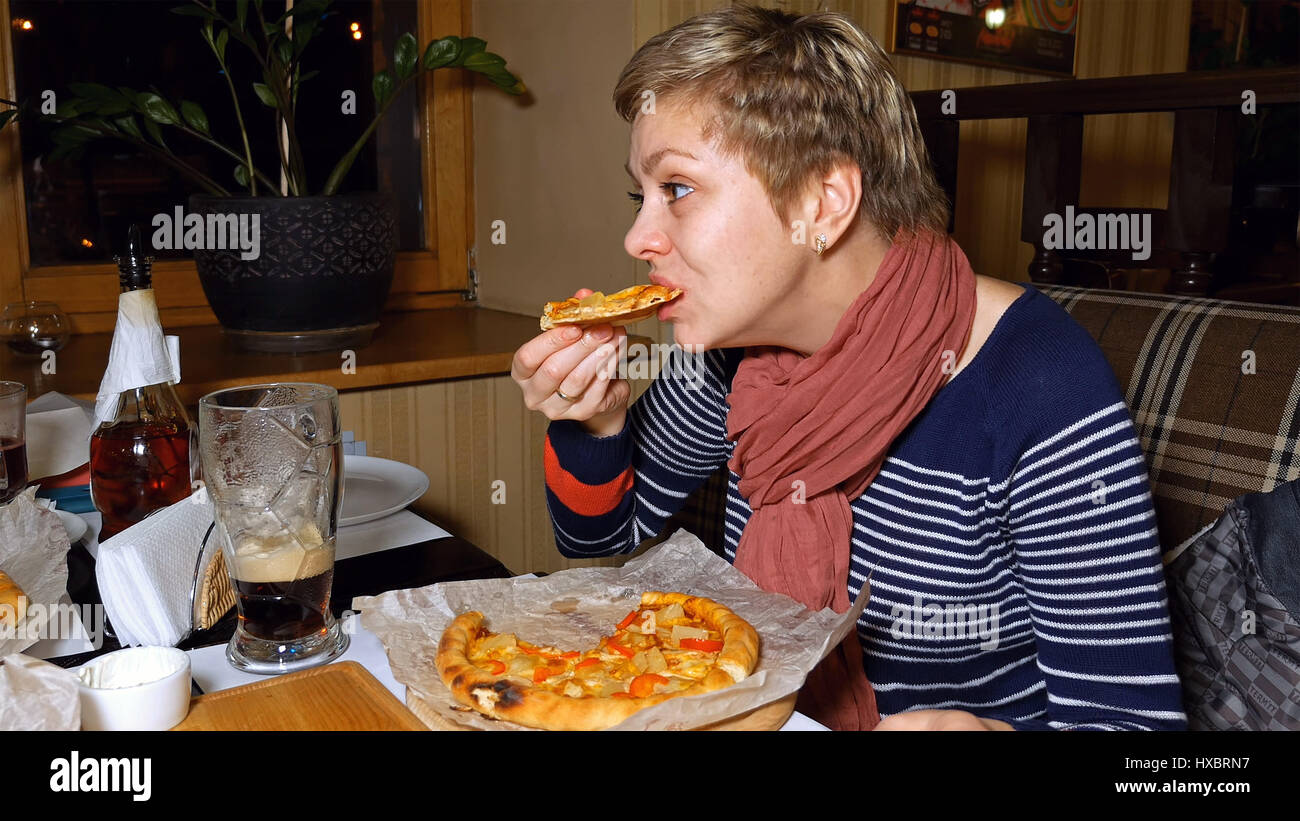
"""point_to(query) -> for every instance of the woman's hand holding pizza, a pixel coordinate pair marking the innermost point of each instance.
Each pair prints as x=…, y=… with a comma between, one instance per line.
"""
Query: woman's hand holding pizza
x=568, y=373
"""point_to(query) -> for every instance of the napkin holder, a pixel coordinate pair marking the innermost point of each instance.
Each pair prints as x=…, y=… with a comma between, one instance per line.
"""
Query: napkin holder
x=212, y=595
x=209, y=593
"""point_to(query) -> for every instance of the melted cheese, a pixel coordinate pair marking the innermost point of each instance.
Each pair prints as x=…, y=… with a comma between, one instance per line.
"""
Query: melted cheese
x=655, y=653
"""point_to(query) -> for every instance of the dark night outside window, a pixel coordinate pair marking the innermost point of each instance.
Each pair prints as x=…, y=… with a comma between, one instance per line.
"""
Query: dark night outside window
x=78, y=209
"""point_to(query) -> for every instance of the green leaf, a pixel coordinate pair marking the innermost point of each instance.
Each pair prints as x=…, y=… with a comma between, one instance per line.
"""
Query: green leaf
x=94, y=91
x=383, y=86
x=264, y=94
x=307, y=76
x=99, y=99
x=241, y=12
x=222, y=39
x=6, y=116
x=67, y=109
x=284, y=50
x=405, y=53
x=241, y=175
x=469, y=46
x=506, y=81
x=155, y=132
x=485, y=62
x=74, y=134
x=195, y=116
x=192, y=11
x=441, y=53
x=108, y=108
x=128, y=125
x=157, y=109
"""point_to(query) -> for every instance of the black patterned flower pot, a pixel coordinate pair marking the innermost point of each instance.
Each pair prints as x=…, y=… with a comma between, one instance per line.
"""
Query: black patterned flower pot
x=314, y=278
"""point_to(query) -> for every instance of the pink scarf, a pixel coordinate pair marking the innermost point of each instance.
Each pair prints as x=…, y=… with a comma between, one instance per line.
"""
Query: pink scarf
x=827, y=421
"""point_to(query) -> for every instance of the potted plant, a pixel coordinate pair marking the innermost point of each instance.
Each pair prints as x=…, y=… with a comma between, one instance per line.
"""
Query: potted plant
x=323, y=262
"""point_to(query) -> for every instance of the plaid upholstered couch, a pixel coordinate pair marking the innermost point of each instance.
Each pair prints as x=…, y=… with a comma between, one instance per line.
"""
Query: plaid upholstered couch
x=1213, y=388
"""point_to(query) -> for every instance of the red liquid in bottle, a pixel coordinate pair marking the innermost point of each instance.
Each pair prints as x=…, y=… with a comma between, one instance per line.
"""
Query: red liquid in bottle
x=137, y=468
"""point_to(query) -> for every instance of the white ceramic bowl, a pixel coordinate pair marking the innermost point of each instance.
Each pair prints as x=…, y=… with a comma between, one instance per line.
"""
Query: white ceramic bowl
x=139, y=688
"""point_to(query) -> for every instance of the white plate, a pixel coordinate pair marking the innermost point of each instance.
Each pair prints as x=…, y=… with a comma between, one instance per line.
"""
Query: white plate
x=74, y=524
x=374, y=488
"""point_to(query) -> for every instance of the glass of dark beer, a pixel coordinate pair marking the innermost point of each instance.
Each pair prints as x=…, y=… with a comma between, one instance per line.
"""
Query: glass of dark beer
x=13, y=440
x=272, y=464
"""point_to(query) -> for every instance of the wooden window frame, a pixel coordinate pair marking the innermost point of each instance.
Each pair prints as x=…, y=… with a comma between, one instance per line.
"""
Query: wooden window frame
x=431, y=278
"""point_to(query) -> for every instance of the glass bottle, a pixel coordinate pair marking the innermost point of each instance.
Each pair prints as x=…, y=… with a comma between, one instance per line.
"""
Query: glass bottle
x=140, y=459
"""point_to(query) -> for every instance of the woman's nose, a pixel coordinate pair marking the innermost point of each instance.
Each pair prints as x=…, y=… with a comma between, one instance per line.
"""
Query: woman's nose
x=644, y=240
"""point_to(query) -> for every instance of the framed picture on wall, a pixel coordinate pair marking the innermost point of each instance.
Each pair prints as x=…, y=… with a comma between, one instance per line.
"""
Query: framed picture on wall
x=1022, y=35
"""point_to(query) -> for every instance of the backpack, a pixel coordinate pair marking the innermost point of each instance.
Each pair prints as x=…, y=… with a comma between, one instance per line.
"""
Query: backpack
x=1234, y=598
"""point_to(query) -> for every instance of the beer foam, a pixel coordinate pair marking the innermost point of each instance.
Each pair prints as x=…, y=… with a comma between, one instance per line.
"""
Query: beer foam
x=284, y=559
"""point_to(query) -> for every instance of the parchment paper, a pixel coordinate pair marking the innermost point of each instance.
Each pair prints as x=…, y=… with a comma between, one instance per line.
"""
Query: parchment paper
x=37, y=695
x=573, y=608
x=33, y=552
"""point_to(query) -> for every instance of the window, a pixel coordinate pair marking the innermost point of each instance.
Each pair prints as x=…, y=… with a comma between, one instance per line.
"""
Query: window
x=71, y=215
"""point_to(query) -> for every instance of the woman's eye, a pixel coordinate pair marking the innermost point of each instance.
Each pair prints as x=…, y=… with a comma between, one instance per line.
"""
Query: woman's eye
x=670, y=188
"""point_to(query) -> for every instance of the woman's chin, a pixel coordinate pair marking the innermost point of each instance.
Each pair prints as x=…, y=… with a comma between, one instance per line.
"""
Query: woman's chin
x=690, y=339
x=682, y=334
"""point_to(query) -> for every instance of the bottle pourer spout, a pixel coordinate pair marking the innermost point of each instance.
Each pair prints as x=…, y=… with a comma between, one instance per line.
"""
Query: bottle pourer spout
x=134, y=268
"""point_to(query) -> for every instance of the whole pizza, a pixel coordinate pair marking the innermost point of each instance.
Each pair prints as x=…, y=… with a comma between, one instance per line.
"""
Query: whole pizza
x=672, y=645
x=622, y=308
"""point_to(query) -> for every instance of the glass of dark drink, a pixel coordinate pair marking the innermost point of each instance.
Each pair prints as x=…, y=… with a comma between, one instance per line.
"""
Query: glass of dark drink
x=13, y=440
x=272, y=462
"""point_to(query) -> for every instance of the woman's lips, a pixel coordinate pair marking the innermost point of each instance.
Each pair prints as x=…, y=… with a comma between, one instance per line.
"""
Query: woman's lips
x=665, y=310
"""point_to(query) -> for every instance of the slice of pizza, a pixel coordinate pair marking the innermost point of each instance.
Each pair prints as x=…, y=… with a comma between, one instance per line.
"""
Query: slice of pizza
x=13, y=602
x=623, y=308
x=673, y=645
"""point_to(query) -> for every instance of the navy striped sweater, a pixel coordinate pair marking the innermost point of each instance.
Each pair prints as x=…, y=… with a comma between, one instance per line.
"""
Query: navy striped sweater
x=1010, y=537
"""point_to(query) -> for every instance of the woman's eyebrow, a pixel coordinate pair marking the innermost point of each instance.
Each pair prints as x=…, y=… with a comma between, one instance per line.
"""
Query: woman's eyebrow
x=651, y=162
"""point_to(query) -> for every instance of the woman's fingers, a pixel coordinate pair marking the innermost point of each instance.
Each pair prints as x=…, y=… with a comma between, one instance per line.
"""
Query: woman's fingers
x=591, y=370
x=603, y=394
x=543, y=363
x=537, y=350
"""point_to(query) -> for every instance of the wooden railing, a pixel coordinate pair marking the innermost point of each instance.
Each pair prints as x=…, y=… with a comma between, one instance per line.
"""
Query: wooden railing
x=1206, y=105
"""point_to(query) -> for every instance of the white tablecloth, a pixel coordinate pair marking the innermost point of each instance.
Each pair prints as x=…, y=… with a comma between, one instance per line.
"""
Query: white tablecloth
x=212, y=672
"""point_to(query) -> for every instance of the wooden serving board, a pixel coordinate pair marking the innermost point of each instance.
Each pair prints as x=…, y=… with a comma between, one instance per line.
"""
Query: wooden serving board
x=339, y=696
x=768, y=717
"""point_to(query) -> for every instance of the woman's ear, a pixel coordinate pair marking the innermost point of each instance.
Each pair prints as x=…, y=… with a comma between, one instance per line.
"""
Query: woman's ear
x=838, y=194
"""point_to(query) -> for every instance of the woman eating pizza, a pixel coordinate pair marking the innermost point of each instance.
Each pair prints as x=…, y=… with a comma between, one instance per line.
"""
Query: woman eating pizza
x=884, y=411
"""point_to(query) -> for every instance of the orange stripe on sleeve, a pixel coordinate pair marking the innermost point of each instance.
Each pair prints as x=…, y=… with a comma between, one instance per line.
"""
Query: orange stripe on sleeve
x=580, y=497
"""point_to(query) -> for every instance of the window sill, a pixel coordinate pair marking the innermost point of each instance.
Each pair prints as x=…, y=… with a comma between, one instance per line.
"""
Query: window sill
x=410, y=346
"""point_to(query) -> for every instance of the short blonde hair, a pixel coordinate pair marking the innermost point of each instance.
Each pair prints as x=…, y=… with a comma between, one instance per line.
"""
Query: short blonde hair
x=793, y=96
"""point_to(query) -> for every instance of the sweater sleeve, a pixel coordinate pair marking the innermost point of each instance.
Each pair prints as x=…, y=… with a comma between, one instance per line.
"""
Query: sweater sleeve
x=1083, y=543
x=606, y=494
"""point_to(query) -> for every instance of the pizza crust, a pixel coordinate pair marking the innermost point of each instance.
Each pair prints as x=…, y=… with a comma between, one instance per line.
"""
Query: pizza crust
x=739, y=654
x=623, y=308
x=513, y=698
